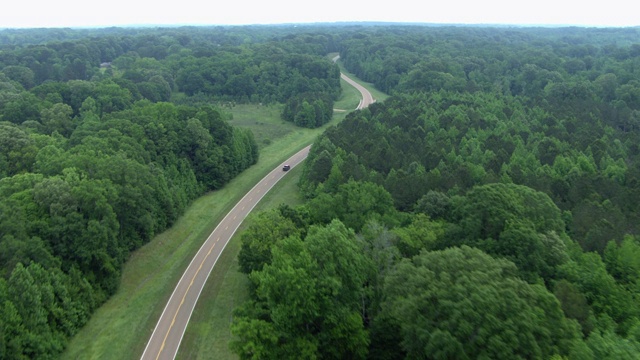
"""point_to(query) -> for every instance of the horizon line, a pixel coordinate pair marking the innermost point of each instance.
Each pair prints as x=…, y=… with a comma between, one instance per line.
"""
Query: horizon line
x=413, y=23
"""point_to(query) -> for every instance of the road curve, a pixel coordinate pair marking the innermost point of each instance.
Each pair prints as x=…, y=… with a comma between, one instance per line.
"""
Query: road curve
x=367, y=98
x=167, y=335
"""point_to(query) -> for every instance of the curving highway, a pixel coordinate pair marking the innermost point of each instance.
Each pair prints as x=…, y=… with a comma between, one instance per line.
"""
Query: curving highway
x=367, y=98
x=167, y=335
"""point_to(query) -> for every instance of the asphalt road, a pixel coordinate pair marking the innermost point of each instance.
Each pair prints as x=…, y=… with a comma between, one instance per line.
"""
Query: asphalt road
x=367, y=98
x=168, y=333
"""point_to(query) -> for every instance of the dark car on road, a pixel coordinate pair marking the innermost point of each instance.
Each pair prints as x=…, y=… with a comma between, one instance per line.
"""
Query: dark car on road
x=286, y=168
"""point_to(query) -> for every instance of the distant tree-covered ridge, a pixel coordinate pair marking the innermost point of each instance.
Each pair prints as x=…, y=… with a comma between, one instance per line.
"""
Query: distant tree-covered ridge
x=238, y=64
x=490, y=204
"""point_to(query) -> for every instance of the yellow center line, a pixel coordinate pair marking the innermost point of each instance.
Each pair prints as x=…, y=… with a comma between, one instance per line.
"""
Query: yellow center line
x=183, y=298
x=262, y=184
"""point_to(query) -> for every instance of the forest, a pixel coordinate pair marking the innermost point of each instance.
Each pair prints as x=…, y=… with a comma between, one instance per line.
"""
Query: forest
x=106, y=136
x=488, y=209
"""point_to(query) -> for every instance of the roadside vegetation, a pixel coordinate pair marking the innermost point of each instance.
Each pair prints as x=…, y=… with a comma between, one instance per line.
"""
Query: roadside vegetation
x=152, y=272
x=486, y=208
x=208, y=332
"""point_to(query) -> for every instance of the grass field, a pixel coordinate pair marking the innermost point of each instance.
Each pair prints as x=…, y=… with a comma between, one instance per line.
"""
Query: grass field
x=264, y=121
x=120, y=328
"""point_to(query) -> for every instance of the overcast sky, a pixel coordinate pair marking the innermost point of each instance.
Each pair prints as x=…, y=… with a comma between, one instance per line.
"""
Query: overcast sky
x=82, y=13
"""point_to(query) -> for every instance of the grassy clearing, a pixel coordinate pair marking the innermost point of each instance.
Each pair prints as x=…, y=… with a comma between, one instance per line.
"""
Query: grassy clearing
x=264, y=121
x=348, y=92
x=121, y=327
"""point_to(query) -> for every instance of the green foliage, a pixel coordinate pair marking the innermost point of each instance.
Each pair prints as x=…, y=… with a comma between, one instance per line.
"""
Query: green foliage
x=309, y=110
x=354, y=203
x=412, y=148
x=608, y=345
x=520, y=142
x=487, y=210
x=516, y=222
x=421, y=234
x=435, y=204
x=607, y=298
x=94, y=163
x=574, y=304
x=378, y=246
x=17, y=150
x=308, y=299
x=461, y=303
x=267, y=228
x=623, y=261
x=41, y=308
x=80, y=206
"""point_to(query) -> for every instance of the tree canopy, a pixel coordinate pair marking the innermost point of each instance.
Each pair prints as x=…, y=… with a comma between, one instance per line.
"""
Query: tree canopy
x=488, y=208
x=461, y=303
x=493, y=195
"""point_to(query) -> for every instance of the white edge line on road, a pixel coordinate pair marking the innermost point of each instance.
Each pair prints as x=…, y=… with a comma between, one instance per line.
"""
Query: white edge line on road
x=198, y=252
x=306, y=148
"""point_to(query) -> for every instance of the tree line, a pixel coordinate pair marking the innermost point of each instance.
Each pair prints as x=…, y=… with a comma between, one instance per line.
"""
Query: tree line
x=73, y=208
x=186, y=65
x=486, y=210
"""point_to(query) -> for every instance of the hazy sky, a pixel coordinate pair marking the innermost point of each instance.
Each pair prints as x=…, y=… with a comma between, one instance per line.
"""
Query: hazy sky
x=75, y=13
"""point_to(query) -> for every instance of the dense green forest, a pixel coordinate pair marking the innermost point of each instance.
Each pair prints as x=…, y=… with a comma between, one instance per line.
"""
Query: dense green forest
x=106, y=136
x=488, y=209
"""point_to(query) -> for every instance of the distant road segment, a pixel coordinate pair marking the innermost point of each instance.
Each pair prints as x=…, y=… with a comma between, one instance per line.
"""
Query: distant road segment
x=367, y=98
